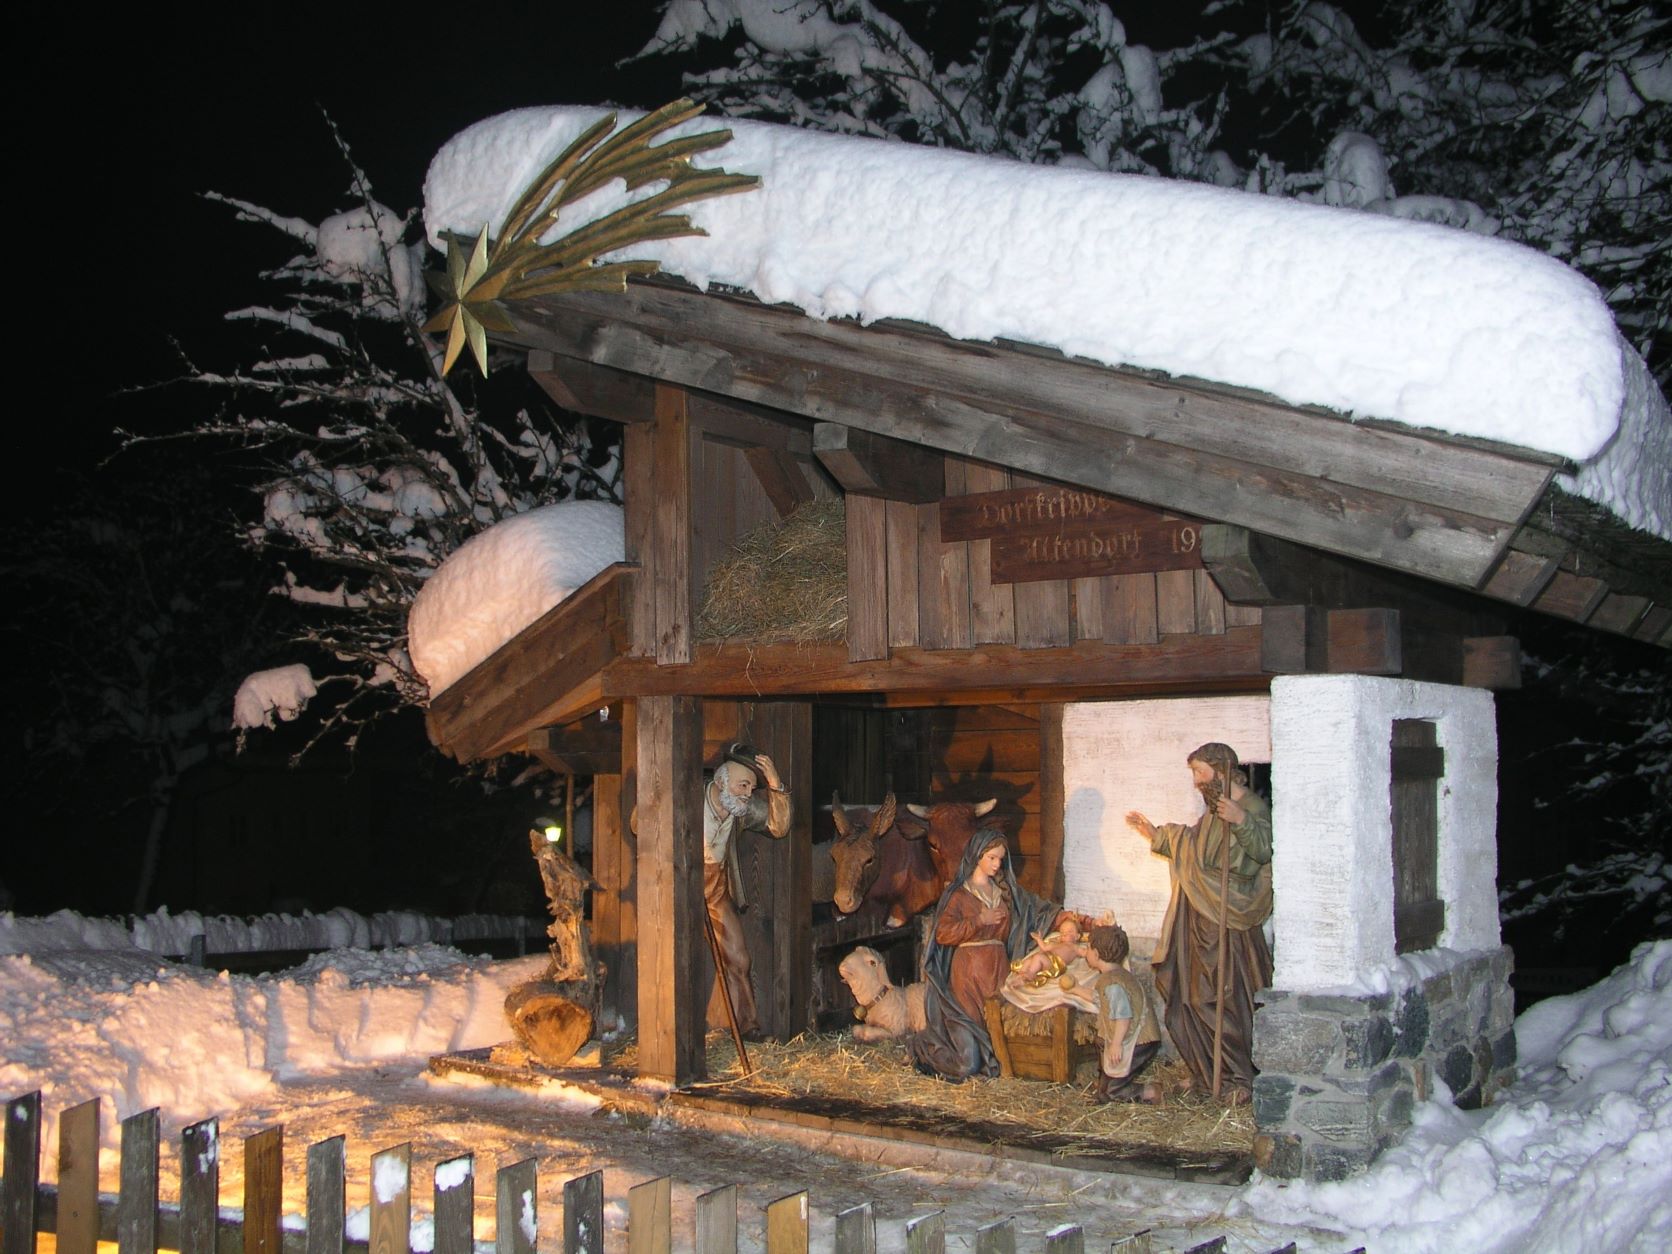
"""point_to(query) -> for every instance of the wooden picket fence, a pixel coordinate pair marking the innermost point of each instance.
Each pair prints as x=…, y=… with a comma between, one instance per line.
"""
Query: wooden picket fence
x=138, y=1224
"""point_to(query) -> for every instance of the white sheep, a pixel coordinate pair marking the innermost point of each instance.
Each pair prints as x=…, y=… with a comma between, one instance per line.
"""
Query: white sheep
x=885, y=1010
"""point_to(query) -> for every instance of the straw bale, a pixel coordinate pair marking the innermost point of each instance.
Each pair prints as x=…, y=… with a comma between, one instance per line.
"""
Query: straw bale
x=787, y=581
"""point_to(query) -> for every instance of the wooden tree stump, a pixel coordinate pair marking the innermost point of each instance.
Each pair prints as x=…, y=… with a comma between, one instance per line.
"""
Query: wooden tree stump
x=552, y=1017
x=551, y=1020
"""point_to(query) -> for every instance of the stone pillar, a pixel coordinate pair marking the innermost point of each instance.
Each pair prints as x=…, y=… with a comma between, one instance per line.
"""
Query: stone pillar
x=1353, y=1035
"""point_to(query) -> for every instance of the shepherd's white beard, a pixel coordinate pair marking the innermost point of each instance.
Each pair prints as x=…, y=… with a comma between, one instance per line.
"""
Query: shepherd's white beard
x=732, y=804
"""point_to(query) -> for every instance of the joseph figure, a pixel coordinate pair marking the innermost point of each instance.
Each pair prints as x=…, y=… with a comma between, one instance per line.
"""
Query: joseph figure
x=1236, y=827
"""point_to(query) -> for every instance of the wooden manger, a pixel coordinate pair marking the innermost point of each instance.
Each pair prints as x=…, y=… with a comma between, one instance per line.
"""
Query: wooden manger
x=1050, y=1045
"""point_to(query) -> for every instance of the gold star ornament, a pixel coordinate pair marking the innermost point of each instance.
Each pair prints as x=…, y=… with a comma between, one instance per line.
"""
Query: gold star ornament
x=482, y=272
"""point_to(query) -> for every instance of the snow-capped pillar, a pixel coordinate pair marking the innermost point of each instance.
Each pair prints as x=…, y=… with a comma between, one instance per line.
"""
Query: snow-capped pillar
x=1332, y=861
x=1348, y=1040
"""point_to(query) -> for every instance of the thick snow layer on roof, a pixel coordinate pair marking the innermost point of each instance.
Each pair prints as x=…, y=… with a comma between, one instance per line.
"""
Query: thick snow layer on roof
x=502, y=579
x=1364, y=314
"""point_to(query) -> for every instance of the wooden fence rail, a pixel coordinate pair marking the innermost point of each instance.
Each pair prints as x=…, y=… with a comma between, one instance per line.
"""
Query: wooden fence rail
x=138, y=1223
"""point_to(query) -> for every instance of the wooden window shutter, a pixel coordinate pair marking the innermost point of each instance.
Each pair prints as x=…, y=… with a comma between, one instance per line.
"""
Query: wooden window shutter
x=1418, y=765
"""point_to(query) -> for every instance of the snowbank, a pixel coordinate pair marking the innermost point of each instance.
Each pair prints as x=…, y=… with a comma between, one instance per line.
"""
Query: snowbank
x=137, y=1032
x=163, y=932
x=1357, y=312
x=502, y=579
x=1578, y=1155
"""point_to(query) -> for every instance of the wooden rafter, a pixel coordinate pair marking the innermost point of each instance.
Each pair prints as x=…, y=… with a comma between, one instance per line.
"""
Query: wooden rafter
x=1442, y=509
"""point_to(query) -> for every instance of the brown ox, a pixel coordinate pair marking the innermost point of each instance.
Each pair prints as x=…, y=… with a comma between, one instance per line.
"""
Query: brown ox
x=947, y=827
x=894, y=861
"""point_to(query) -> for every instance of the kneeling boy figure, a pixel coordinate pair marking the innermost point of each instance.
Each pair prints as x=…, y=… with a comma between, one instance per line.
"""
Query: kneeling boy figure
x=1125, y=1021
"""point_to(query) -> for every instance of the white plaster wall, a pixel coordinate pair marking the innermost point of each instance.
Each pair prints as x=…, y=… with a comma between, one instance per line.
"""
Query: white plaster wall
x=1129, y=755
x=1332, y=861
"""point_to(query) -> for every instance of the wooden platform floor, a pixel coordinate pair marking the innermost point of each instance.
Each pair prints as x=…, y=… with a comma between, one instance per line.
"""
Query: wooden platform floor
x=769, y=1113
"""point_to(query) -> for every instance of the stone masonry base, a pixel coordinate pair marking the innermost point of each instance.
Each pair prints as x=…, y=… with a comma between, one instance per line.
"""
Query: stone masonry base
x=1341, y=1074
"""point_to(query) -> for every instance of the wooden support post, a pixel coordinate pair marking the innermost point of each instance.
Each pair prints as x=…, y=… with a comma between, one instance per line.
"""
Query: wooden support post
x=583, y=1214
x=856, y=1230
x=20, y=1187
x=784, y=730
x=78, y=1179
x=136, y=1208
x=672, y=592
x=327, y=1195
x=716, y=1221
x=638, y=466
x=263, y=1191
x=670, y=905
x=516, y=1208
x=455, y=1206
x=650, y=1217
x=200, y=1188
x=1052, y=801
x=614, y=851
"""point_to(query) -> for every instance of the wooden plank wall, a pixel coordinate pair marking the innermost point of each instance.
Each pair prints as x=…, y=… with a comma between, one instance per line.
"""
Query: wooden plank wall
x=970, y=753
x=940, y=596
x=728, y=503
x=690, y=494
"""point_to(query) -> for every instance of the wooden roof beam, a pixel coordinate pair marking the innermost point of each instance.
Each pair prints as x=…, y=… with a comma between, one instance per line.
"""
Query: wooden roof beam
x=1440, y=508
x=867, y=464
x=749, y=671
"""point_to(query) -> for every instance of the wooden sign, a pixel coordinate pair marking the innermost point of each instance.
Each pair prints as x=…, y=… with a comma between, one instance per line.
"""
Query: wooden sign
x=1069, y=533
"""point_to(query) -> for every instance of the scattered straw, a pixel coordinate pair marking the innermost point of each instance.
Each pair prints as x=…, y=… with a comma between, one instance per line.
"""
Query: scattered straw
x=835, y=1065
x=787, y=581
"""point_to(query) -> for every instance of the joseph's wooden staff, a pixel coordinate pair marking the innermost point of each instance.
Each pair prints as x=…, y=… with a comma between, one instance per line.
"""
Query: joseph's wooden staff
x=1224, y=929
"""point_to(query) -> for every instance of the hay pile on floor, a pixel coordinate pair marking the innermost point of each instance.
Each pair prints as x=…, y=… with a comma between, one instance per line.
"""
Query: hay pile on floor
x=835, y=1065
x=786, y=582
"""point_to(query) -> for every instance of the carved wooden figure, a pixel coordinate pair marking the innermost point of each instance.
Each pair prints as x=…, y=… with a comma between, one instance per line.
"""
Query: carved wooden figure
x=552, y=1017
x=885, y=1010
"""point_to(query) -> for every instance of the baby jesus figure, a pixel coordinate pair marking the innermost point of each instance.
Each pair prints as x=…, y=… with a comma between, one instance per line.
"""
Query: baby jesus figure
x=1053, y=958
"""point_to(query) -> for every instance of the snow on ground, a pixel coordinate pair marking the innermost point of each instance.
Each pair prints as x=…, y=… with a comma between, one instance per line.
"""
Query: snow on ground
x=1368, y=315
x=1577, y=1156
x=164, y=932
x=504, y=578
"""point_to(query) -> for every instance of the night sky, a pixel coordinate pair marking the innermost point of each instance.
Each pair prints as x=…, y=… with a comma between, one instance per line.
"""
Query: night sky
x=127, y=120
x=155, y=107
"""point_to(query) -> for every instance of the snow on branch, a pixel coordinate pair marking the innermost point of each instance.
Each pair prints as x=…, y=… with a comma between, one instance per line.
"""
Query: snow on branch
x=375, y=468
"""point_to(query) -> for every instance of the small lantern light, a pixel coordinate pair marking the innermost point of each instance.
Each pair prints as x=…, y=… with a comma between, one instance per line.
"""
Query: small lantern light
x=552, y=829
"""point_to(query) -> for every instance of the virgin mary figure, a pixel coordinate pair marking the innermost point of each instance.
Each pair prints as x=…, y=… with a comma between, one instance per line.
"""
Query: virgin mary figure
x=983, y=920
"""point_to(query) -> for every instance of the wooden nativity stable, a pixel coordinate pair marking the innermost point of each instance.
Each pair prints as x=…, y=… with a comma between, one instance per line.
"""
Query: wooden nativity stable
x=1060, y=576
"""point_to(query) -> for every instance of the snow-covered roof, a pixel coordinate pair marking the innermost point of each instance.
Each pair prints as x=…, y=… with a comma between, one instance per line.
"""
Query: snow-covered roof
x=1370, y=316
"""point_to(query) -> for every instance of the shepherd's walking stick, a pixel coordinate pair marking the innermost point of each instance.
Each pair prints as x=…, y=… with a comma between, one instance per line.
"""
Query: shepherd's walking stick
x=725, y=991
x=1224, y=929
